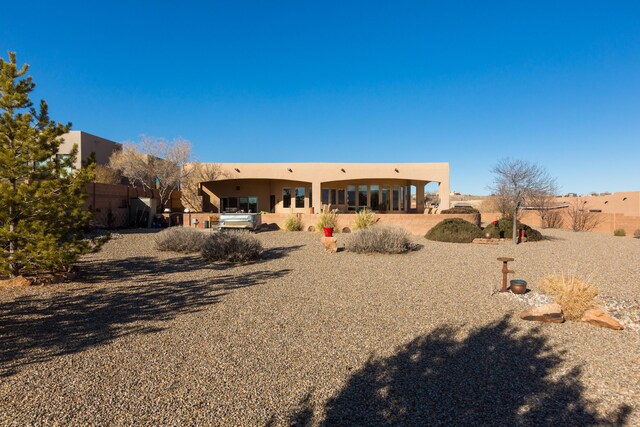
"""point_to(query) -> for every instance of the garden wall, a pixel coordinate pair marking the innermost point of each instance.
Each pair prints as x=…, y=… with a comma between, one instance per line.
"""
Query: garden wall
x=607, y=222
x=417, y=224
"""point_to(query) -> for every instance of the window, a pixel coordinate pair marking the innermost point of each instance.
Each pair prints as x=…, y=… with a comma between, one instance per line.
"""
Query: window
x=396, y=197
x=286, y=197
x=351, y=197
x=375, y=197
x=324, y=198
x=310, y=199
x=341, y=200
x=362, y=196
x=300, y=197
x=385, y=199
x=248, y=204
x=334, y=199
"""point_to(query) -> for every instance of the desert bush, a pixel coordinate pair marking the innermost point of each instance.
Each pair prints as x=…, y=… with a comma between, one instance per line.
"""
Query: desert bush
x=293, y=223
x=460, y=211
x=379, y=239
x=327, y=218
x=552, y=219
x=504, y=229
x=454, y=230
x=636, y=233
x=231, y=246
x=574, y=295
x=364, y=219
x=619, y=232
x=580, y=218
x=180, y=239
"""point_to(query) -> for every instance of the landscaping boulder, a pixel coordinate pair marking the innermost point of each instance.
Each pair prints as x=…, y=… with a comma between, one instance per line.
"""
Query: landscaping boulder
x=548, y=313
x=330, y=243
x=597, y=317
x=15, y=281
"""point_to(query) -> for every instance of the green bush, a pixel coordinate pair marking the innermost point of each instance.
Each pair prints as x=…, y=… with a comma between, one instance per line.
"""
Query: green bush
x=460, y=211
x=379, y=239
x=636, y=233
x=231, y=246
x=454, y=230
x=365, y=218
x=180, y=239
x=619, y=232
x=293, y=223
x=504, y=229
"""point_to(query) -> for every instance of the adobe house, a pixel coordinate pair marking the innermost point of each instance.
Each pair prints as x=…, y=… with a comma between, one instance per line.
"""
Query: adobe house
x=87, y=143
x=305, y=187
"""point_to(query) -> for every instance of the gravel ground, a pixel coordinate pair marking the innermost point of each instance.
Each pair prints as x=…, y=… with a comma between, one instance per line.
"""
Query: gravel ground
x=308, y=337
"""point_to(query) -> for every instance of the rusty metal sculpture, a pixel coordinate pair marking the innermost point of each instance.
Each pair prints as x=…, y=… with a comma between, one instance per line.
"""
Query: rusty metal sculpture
x=505, y=271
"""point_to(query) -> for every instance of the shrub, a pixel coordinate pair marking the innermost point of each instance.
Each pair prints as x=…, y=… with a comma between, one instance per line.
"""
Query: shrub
x=180, y=239
x=327, y=219
x=380, y=239
x=455, y=230
x=504, y=229
x=553, y=219
x=619, y=232
x=574, y=295
x=458, y=211
x=364, y=219
x=233, y=246
x=293, y=223
x=636, y=233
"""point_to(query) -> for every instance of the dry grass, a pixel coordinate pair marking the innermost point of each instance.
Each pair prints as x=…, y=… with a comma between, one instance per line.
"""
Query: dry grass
x=293, y=223
x=180, y=239
x=364, y=219
x=574, y=295
x=380, y=239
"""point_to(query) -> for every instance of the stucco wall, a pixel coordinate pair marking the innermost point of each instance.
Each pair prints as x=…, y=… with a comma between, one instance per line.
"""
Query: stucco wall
x=88, y=143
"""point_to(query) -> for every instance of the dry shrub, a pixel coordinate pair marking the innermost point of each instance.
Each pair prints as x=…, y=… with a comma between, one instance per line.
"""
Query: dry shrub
x=552, y=219
x=231, y=246
x=619, y=232
x=293, y=223
x=380, y=239
x=364, y=219
x=574, y=295
x=636, y=233
x=180, y=239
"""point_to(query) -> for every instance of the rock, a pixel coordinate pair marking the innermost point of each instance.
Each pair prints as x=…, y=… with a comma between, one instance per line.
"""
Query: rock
x=598, y=317
x=15, y=281
x=330, y=243
x=549, y=313
x=481, y=241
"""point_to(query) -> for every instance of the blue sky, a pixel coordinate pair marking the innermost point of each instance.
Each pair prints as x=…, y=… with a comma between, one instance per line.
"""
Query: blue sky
x=557, y=83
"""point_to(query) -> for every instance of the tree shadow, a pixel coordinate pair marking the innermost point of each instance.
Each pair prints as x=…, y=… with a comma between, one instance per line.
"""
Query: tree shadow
x=496, y=376
x=35, y=329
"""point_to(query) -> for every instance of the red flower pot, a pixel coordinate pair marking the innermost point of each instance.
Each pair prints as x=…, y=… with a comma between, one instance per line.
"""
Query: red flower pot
x=328, y=231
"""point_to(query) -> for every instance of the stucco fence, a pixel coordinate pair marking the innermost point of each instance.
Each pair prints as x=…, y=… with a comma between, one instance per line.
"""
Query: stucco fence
x=606, y=222
x=417, y=224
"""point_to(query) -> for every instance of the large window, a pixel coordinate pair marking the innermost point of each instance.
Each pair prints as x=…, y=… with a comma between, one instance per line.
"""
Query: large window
x=375, y=197
x=324, y=198
x=384, y=206
x=334, y=199
x=396, y=197
x=351, y=197
x=241, y=204
x=300, y=197
x=310, y=197
x=341, y=200
x=286, y=197
x=362, y=196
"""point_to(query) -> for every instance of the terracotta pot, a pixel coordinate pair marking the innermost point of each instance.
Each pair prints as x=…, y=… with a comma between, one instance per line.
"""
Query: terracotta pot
x=518, y=286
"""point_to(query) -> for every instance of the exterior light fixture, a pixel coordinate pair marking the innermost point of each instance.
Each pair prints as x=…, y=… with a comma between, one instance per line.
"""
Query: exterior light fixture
x=397, y=171
x=343, y=171
x=237, y=170
x=290, y=170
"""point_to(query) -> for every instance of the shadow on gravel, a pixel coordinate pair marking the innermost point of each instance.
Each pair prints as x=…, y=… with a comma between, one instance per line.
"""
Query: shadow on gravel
x=36, y=328
x=494, y=377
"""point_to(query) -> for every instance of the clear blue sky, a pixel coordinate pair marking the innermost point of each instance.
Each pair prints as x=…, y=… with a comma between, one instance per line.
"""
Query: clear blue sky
x=557, y=83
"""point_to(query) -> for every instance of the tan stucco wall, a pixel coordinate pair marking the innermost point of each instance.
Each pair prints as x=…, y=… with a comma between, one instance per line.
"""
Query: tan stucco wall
x=626, y=203
x=324, y=175
x=88, y=143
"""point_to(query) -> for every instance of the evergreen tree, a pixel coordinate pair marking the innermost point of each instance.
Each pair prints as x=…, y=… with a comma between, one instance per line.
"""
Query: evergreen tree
x=41, y=195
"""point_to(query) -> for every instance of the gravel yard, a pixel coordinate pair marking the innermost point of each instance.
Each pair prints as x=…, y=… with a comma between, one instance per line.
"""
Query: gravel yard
x=305, y=336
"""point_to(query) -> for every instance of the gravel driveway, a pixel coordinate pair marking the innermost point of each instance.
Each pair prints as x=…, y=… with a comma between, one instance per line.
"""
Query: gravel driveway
x=308, y=337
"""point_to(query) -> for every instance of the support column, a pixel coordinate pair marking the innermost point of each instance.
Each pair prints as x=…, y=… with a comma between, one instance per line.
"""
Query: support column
x=443, y=192
x=420, y=197
x=316, y=197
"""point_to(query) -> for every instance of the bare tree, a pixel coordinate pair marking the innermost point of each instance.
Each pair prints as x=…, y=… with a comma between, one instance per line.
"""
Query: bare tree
x=193, y=175
x=518, y=181
x=155, y=163
x=107, y=175
x=545, y=206
x=581, y=218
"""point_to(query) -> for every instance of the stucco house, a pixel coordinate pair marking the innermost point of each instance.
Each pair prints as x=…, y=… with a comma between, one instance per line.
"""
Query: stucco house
x=306, y=187
x=87, y=144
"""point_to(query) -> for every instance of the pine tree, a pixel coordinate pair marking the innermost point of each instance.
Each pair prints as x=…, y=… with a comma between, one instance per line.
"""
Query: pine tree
x=41, y=195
